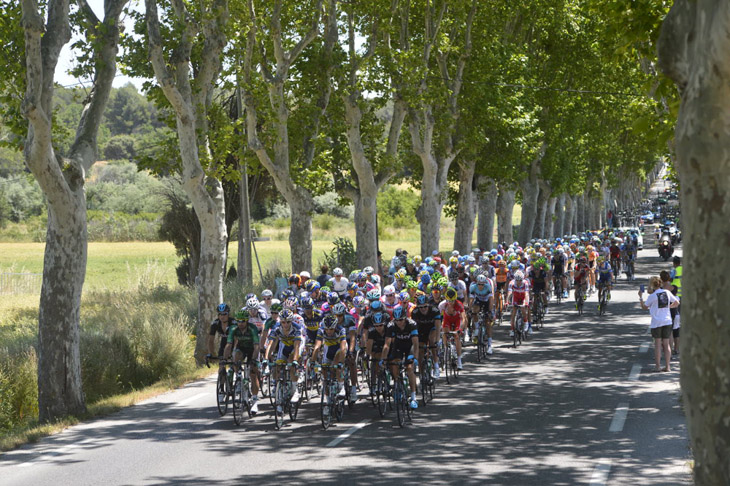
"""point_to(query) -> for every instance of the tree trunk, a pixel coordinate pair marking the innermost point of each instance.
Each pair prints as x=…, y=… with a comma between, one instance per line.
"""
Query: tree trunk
x=505, y=206
x=540, y=230
x=244, y=273
x=429, y=217
x=579, y=202
x=550, y=218
x=560, y=213
x=694, y=51
x=465, y=211
x=487, y=208
x=570, y=226
x=530, y=194
x=300, y=233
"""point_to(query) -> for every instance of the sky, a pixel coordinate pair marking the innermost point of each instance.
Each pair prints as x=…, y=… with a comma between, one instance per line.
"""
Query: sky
x=65, y=61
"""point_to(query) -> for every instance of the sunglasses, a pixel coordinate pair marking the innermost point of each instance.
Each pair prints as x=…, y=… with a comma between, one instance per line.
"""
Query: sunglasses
x=401, y=319
x=268, y=298
x=223, y=313
x=378, y=325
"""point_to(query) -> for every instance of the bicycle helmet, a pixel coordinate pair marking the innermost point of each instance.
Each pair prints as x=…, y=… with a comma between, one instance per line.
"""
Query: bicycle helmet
x=307, y=303
x=337, y=272
x=339, y=308
x=252, y=303
x=453, y=259
x=375, y=279
x=379, y=318
x=373, y=295
x=482, y=279
x=277, y=307
x=450, y=294
x=311, y=285
x=368, y=270
x=519, y=275
x=515, y=264
x=403, y=296
x=376, y=306
x=304, y=276
x=358, y=302
x=333, y=298
x=325, y=308
x=286, y=315
x=242, y=315
x=290, y=302
x=286, y=293
x=388, y=290
x=421, y=298
x=267, y=293
x=399, y=313
x=250, y=295
x=294, y=279
x=351, y=286
x=329, y=322
x=224, y=308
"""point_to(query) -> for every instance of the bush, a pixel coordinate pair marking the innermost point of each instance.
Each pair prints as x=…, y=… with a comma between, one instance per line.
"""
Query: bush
x=120, y=147
x=343, y=255
x=18, y=387
x=325, y=222
x=331, y=203
x=397, y=208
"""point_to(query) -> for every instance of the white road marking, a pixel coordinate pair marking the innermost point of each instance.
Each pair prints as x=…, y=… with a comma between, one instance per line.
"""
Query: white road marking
x=644, y=348
x=349, y=432
x=635, y=372
x=600, y=473
x=190, y=399
x=619, y=418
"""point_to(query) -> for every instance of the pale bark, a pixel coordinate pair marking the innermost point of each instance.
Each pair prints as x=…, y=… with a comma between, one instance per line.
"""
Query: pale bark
x=543, y=197
x=465, y=215
x=487, y=208
x=278, y=164
x=570, y=214
x=694, y=51
x=560, y=213
x=550, y=218
x=505, y=206
x=62, y=182
x=191, y=112
x=365, y=189
x=422, y=123
x=579, y=202
x=530, y=191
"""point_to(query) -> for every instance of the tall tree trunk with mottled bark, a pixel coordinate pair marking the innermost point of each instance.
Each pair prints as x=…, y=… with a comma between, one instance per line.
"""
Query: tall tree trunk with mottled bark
x=694, y=51
x=505, y=207
x=487, y=207
x=465, y=215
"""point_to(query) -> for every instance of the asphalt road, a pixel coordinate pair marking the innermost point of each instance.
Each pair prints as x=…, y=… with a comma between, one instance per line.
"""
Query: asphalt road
x=577, y=404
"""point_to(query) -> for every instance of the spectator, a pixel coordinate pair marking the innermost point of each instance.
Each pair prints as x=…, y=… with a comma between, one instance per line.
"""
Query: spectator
x=667, y=285
x=658, y=304
x=324, y=277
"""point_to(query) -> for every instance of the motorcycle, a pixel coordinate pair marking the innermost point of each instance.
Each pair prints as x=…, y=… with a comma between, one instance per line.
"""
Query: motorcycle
x=665, y=247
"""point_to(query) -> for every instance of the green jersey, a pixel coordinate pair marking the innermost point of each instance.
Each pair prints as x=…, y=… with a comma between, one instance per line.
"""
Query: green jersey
x=247, y=338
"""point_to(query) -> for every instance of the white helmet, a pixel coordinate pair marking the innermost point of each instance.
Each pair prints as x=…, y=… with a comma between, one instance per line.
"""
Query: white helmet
x=337, y=272
x=252, y=303
x=389, y=290
x=519, y=275
x=267, y=293
x=304, y=276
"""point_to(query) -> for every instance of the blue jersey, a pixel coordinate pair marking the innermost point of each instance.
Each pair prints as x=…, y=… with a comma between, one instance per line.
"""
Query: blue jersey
x=287, y=339
x=482, y=294
x=331, y=339
x=605, y=272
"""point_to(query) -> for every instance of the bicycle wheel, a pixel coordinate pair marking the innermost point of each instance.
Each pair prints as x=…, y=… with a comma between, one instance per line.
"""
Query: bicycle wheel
x=516, y=332
x=580, y=304
x=324, y=407
x=264, y=379
x=407, y=390
x=237, y=401
x=447, y=364
x=454, y=364
x=480, y=354
x=483, y=340
x=271, y=384
x=348, y=389
x=400, y=402
x=294, y=406
x=381, y=391
x=279, y=402
x=222, y=393
x=423, y=382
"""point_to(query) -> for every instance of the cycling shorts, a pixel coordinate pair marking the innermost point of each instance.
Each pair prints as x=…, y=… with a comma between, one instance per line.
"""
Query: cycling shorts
x=501, y=285
x=311, y=335
x=424, y=331
x=283, y=352
x=518, y=300
x=399, y=352
x=538, y=287
x=451, y=325
x=247, y=354
x=329, y=352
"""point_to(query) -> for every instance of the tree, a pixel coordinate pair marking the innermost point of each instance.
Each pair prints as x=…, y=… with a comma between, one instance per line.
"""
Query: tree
x=694, y=51
x=62, y=182
x=288, y=37
x=187, y=79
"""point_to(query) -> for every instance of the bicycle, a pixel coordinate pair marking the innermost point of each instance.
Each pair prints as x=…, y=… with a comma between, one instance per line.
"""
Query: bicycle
x=401, y=391
x=449, y=356
x=499, y=304
x=615, y=265
x=427, y=381
x=538, y=311
x=331, y=405
x=603, y=302
x=629, y=268
x=482, y=340
x=224, y=382
x=265, y=385
x=558, y=285
x=382, y=391
x=242, y=396
x=519, y=332
x=579, y=299
x=282, y=402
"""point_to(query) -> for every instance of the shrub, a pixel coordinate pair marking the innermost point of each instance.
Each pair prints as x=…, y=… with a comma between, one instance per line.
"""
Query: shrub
x=343, y=255
x=331, y=203
x=282, y=223
x=19, y=388
x=325, y=222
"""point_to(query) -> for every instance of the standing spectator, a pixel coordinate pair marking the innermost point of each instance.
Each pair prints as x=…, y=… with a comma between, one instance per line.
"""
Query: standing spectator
x=324, y=277
x=667, y=285
x=658, y=304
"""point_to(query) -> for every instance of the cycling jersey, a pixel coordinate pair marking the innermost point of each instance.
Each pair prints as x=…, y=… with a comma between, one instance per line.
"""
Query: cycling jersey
x=258, y=318
x=216, y=327
x=311, y=323
x=558, y=264
x=581, y=272
x=605, y=272
x=330, y=342
x=287, y=340
x=349, y=323
x=401, y=338
x=451, y=318
x=425, y=322
x=460, y=288
x=378, y=340
x=519, y=292
x=339, y=286
x=247, y=338
x=483, y=294
x=501, y=274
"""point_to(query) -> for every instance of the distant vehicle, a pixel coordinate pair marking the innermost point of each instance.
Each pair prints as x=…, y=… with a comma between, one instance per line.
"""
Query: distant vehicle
x=648, y=217
x=661, y=200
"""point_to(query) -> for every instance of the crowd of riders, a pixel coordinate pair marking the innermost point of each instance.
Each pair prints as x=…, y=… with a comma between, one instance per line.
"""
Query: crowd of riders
x=406, y=312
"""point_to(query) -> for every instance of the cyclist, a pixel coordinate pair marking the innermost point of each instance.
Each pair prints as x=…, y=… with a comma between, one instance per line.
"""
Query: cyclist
x=580, y=276
x=286, y=338
x=401, y=341
x=559, y=267
x=454, y=318
x=331, y=338
x=592, y=256
x=428, y=323
x=349, y=324
x=220, y=326
x=615, y=253
x=257, y=313
x=539, y=276
x=375, y=343
x=267, y=296
x=605, y=277
x=482, y=297
x=243, y=343
x=338, y=283
x=389, y=300
x=272, y=321
x=458, y=284
x=518, y=295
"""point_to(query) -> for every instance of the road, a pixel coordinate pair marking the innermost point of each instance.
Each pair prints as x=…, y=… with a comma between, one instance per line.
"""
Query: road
x=577, y=404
